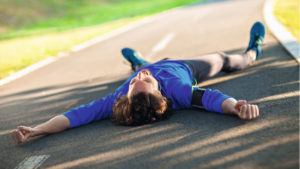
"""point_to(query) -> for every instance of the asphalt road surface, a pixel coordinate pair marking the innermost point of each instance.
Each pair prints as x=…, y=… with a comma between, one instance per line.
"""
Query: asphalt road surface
x=190, y=138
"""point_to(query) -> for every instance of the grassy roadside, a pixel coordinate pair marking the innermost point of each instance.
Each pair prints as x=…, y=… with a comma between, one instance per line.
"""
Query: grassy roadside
x=19, y=53
x=287, y=12
x=40, y=38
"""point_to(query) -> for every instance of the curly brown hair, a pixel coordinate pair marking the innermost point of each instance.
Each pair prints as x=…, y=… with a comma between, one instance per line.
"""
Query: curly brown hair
x=142, y=108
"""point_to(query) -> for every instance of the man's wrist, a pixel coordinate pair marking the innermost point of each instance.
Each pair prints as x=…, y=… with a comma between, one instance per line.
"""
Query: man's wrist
x=228, y=106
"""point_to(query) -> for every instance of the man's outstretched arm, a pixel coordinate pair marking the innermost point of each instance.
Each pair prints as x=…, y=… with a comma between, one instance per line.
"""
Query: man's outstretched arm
x=84, y=114
x=216, y=101
x=56, y=124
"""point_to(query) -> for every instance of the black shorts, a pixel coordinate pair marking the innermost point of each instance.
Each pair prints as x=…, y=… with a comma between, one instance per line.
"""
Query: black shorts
x=199, y=68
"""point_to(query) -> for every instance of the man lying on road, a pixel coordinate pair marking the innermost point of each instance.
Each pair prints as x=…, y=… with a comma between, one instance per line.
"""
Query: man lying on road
x=153, y=90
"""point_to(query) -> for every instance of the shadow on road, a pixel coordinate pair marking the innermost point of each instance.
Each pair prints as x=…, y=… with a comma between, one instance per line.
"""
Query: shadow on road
x=189, y=139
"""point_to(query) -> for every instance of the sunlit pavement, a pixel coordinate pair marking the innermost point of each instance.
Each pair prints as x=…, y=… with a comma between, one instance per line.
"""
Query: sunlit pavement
x=190, y=138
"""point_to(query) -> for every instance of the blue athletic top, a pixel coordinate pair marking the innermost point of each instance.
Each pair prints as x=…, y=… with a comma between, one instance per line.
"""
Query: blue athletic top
x=176, y=81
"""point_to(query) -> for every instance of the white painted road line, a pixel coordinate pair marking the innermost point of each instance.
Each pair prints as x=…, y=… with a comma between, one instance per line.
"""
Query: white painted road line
x=164, y=42
x=27, y=70
x=32, y=162
x=113, y=33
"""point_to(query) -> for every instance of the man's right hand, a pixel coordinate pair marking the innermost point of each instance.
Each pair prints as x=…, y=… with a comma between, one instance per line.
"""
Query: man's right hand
x=246, y=111
x=21, y=134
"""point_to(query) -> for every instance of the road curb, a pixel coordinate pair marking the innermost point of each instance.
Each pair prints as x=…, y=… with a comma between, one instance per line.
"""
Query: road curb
x=286, y=39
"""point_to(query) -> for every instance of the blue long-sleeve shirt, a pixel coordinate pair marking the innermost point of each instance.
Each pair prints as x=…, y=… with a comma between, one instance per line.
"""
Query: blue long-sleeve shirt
x=176, y=82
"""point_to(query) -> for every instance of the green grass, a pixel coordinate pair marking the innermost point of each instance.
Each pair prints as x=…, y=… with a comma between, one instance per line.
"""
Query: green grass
x=40, y=16
x=287, y=12
x=35, y=30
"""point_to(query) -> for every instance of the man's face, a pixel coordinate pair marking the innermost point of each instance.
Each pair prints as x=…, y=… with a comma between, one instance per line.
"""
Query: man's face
x=143, y=82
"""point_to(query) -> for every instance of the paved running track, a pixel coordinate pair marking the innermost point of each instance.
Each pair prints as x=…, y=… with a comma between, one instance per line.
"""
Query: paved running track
x=191, y=138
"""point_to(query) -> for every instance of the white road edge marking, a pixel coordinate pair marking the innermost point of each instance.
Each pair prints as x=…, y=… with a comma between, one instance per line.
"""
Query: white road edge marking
x=164, y=42
x=27, y=70
x=113, y=33
x=32, y=162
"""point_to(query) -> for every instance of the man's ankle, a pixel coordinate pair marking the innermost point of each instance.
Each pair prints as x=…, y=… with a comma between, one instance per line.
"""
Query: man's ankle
x=252, y=54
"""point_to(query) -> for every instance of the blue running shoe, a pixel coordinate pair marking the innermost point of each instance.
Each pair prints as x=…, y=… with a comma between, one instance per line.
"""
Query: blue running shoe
x=133, y=57
x=257, y=35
